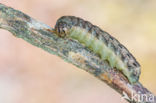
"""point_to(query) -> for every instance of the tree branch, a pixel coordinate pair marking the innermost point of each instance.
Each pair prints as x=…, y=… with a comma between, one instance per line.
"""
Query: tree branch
x=40, y=35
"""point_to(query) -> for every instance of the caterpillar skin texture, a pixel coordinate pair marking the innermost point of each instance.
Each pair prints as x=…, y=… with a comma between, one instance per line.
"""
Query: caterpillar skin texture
x=101, y=43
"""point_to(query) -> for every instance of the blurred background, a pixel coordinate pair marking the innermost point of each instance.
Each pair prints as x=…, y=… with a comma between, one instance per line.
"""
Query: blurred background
x=31, y=75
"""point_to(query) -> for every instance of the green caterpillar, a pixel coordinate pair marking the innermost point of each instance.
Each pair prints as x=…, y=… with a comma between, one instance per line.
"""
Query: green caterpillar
x=101, y=43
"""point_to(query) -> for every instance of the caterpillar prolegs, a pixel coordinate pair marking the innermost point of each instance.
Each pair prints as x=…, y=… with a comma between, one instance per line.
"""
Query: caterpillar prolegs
x=101, y=43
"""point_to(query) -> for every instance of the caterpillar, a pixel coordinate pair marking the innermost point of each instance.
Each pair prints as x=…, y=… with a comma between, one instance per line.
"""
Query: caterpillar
x=100, y=42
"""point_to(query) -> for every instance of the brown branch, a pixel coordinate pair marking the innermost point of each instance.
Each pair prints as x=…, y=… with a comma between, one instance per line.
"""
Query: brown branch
x=38, y=34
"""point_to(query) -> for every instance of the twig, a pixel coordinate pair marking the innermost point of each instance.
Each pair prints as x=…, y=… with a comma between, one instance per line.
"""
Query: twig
x=38, y=34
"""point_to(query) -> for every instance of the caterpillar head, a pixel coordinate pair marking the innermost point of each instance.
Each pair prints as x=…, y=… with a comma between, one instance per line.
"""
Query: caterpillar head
x=63, y=26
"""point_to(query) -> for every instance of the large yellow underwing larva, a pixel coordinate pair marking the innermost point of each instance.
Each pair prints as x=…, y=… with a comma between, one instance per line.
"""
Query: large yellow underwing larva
x=101, y=43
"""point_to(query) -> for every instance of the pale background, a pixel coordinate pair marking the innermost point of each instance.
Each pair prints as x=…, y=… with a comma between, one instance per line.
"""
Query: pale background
x=31, y=75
